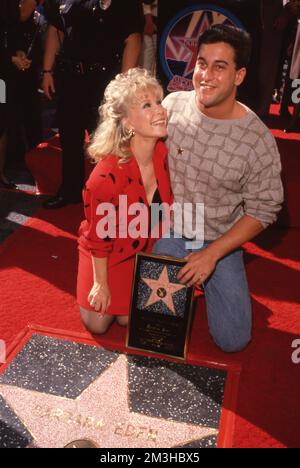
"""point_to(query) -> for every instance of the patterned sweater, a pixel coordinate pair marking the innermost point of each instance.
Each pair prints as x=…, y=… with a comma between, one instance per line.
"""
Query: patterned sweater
x=231, y=166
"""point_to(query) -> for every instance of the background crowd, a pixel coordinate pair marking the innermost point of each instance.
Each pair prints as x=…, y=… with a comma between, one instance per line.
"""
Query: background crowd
x=38, y=55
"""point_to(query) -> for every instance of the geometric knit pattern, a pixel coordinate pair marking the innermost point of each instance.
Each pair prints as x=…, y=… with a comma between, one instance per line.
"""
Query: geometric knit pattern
x=231, y=166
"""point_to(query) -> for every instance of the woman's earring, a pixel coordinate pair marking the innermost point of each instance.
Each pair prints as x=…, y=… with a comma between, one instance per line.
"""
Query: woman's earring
x=128, y=133
x=131, y=133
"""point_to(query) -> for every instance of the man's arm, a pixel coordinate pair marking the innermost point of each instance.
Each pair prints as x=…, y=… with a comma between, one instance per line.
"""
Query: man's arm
x=262, y=195
x=100, y=295
x=132, y=50
x=54, y=39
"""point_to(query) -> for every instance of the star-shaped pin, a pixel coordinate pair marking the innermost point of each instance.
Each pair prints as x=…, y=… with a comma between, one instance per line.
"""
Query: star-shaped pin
x=162, y=290
x=101, y=414
x=180, y=151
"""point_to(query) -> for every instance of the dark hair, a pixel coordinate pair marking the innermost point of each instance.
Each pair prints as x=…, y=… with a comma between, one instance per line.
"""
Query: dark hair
x=237, y=38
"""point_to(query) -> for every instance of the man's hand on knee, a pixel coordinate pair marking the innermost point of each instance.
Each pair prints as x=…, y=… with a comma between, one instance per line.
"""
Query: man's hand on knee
x=198, y=269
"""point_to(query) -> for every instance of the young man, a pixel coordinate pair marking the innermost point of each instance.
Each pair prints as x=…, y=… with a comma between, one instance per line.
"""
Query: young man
x=221, y=155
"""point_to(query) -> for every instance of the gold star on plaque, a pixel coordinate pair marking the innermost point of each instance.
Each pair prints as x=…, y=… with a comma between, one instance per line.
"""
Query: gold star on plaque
x=101, y=414
x=162, y=290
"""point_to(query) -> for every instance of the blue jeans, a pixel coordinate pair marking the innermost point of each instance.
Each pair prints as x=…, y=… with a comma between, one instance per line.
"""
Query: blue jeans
x=227, y=295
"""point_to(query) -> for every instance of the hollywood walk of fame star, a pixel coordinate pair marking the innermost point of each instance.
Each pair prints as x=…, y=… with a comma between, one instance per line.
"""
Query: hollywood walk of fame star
x=162, y=290
x=101, y=414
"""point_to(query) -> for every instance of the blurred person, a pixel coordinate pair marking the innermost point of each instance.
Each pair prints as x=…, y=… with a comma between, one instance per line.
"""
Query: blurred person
x=10, y=61
x=149, y=49
x=96, y=39
x=25, y=130
x=291, y=13
x=132, y=162
x=274, y=24
x=293, y=8
x=27, y=8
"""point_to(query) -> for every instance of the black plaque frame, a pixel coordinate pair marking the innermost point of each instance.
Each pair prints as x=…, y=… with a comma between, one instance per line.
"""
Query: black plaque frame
x=155, y=329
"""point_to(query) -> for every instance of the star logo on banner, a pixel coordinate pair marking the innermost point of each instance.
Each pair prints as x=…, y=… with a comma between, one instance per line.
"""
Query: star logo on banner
x=162, y=290
x=188, y=48
x=192, y=46
x=101, y=414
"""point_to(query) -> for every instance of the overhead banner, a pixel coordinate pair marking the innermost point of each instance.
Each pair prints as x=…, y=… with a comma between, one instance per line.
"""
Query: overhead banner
x=182, y=22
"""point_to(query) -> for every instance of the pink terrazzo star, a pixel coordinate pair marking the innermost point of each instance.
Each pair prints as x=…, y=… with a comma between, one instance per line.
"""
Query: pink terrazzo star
x=101, y=413
x=162, y=290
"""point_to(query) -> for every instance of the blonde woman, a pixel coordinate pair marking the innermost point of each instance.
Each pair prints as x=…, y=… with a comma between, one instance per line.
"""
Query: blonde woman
x=132, y=167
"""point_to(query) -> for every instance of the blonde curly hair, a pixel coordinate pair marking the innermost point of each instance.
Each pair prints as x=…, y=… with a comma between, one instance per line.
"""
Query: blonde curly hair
x=111, y=137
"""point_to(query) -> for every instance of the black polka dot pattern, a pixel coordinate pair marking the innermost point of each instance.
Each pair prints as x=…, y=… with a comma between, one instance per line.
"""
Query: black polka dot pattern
x=112, y=177
x=135, y=244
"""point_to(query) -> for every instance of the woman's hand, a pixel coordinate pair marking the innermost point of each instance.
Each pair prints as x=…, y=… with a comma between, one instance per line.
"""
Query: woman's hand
x=100, y=298
x=21, y=61
x=48, y=86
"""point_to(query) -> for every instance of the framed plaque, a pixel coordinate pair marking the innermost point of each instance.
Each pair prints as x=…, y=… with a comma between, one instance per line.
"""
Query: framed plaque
x=161, y=307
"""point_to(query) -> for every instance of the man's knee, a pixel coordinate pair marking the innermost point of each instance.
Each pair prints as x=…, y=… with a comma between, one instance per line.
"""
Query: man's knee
x=232, y=343
x=162, y=247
